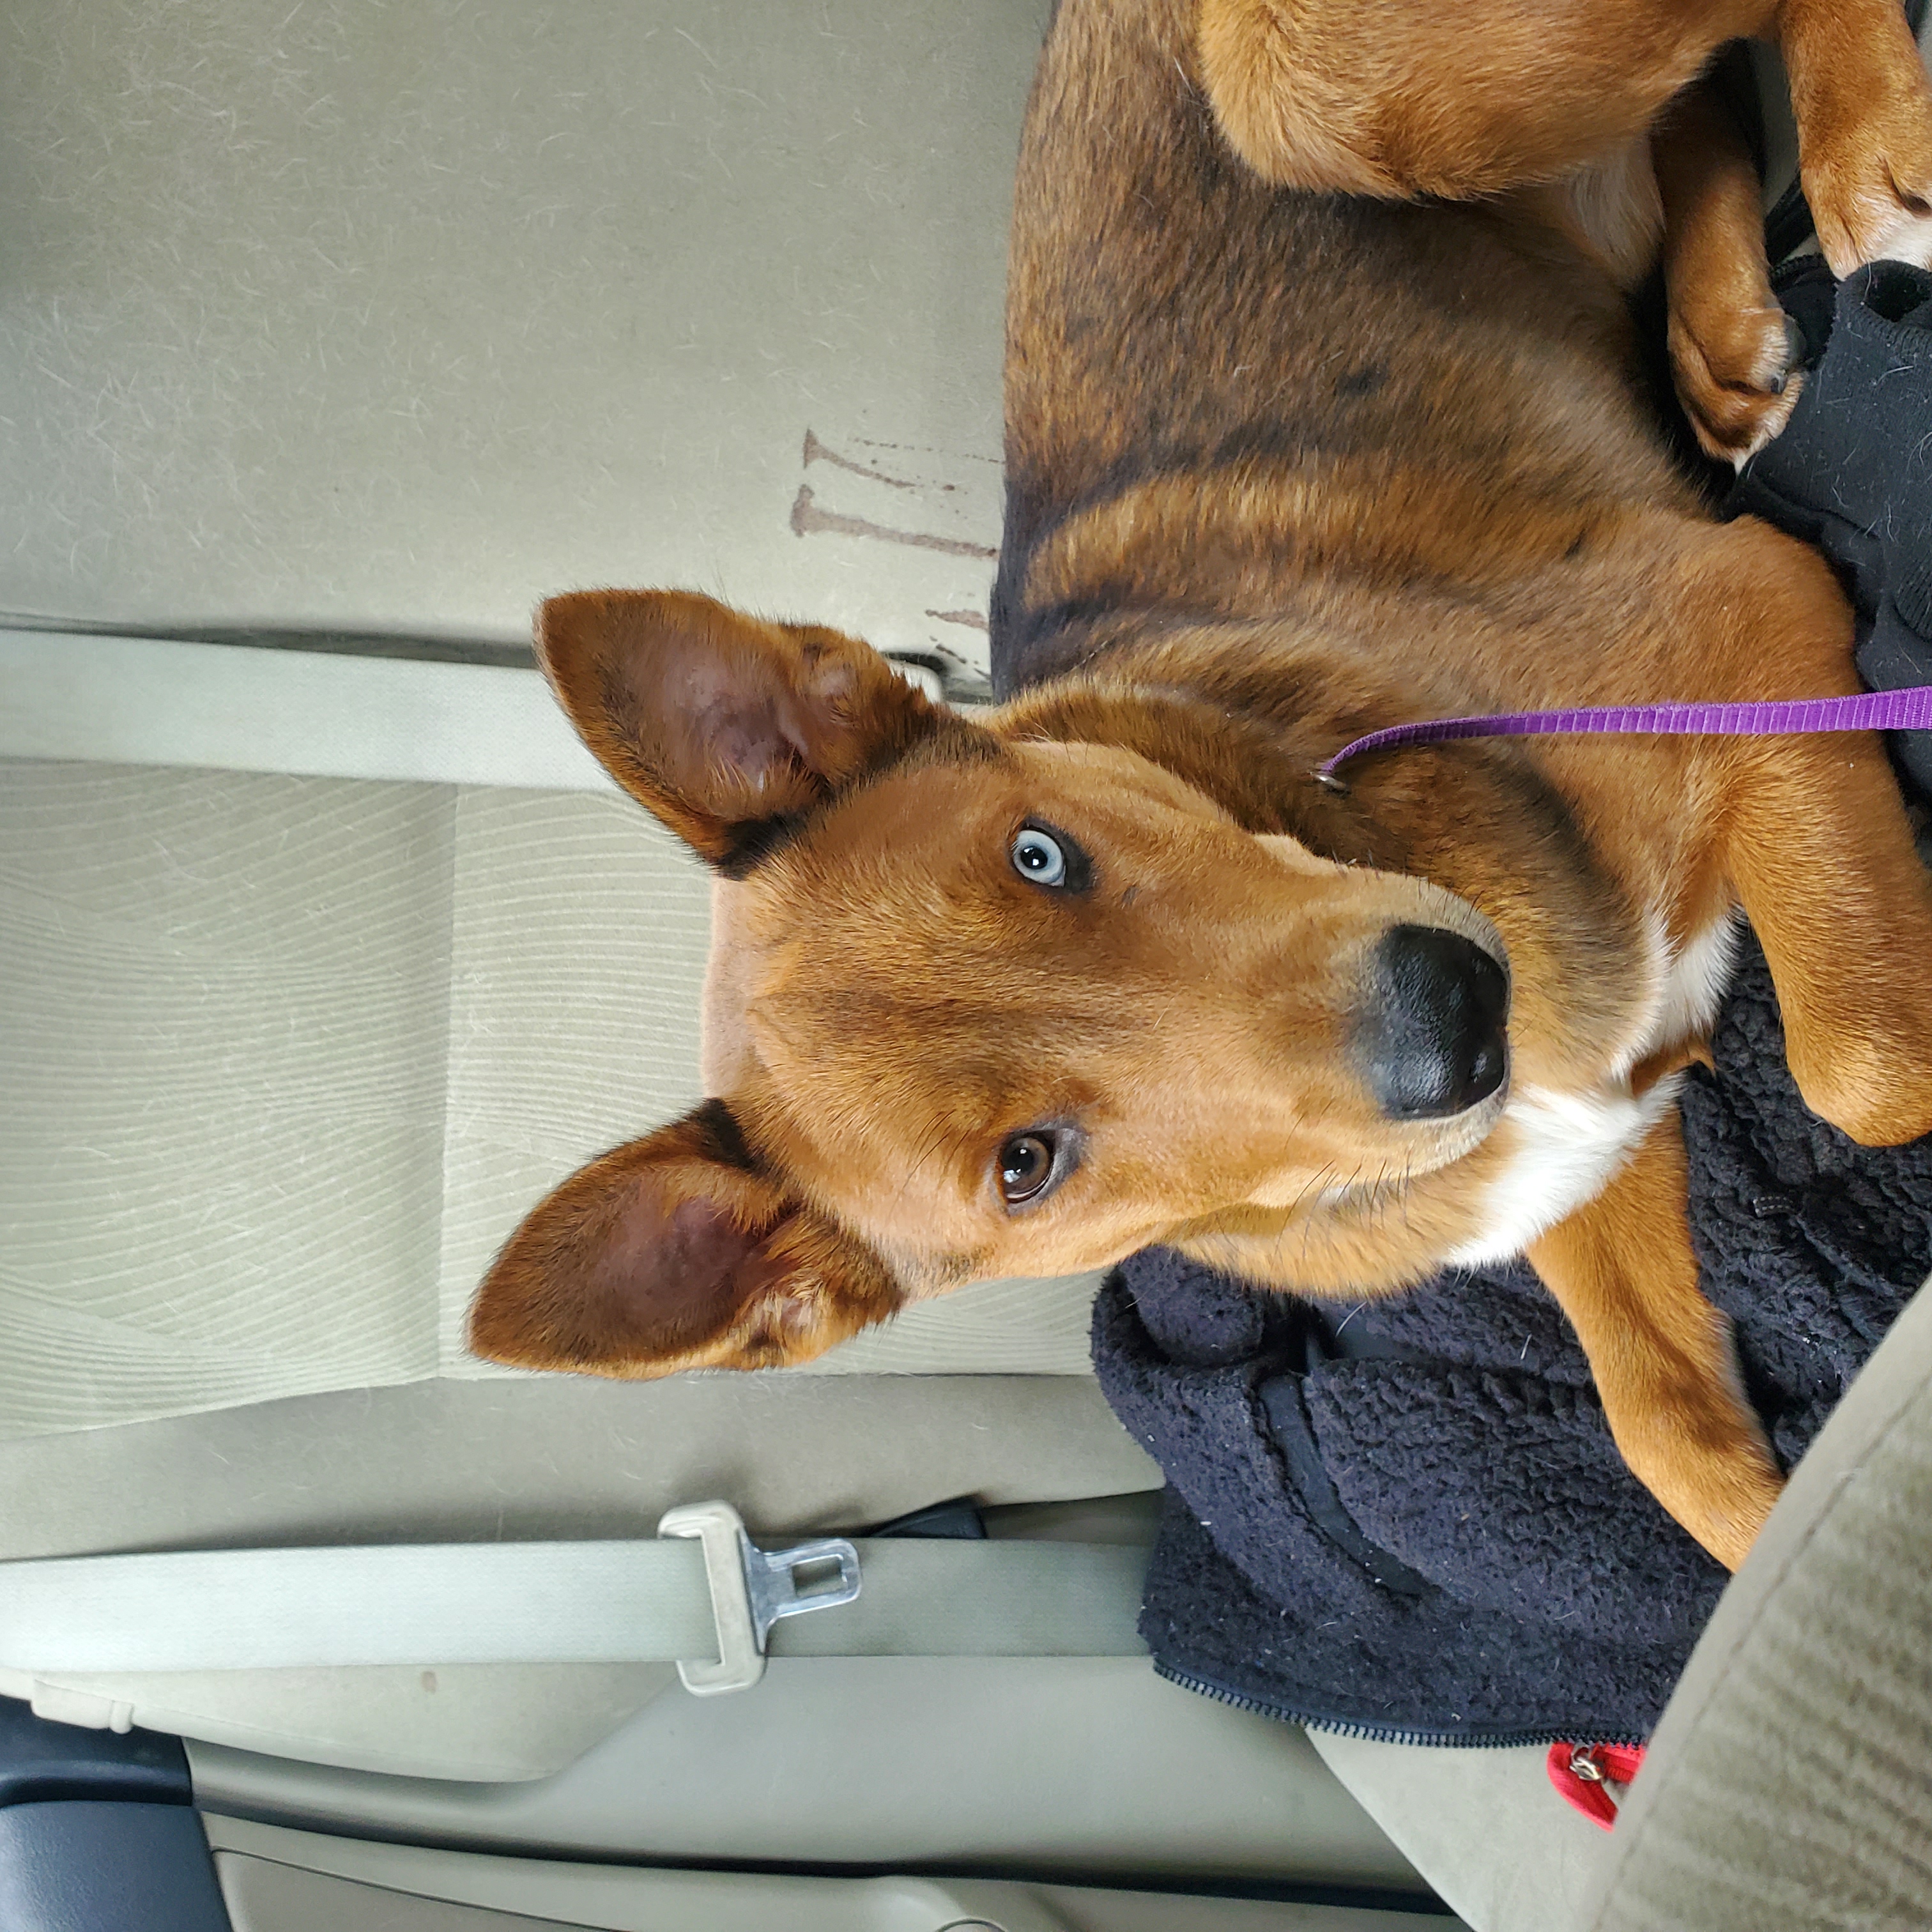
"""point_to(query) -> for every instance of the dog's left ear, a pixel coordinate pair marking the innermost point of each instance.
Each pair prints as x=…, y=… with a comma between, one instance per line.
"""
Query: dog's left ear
x=675, y=1251
x=725, y=726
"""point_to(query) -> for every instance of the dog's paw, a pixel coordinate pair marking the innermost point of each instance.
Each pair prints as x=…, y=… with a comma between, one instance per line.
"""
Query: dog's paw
x=1736, y=372
x=1870, y=187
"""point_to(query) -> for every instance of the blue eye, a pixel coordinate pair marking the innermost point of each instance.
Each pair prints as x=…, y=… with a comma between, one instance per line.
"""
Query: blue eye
x=1038, y=855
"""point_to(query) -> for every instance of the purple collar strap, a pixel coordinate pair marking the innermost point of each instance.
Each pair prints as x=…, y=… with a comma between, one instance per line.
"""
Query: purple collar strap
x=1907, y=710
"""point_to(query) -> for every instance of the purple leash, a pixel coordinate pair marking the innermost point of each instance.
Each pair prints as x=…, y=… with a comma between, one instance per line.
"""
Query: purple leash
x=1908, y=709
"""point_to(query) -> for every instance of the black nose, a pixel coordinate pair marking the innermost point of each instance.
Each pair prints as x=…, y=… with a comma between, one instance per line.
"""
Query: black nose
x=1430, y=1038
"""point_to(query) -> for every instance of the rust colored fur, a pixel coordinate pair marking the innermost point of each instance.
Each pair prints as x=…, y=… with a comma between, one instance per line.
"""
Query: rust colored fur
x=1285, y=464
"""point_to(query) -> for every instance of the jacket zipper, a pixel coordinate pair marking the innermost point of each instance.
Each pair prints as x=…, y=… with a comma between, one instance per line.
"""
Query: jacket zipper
x=1345, y=1727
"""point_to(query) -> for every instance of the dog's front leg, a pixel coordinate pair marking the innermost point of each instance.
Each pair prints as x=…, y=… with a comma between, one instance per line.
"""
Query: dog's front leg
x=1808, y=832
x=1864, y=108
x=1732, y=348
x=1623, y=1270
x=1818, y=851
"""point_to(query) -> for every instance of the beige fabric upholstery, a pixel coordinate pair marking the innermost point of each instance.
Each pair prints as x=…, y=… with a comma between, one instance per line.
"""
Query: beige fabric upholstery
x=287, y=1058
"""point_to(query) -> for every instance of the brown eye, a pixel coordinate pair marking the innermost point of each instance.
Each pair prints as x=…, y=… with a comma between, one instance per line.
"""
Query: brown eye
x=1026, y=1166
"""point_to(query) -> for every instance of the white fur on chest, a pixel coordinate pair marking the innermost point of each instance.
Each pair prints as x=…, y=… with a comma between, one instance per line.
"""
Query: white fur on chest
x=1568, y=1145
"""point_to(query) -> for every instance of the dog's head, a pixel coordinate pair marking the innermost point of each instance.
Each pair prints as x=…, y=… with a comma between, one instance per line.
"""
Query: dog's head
x=981, y=1004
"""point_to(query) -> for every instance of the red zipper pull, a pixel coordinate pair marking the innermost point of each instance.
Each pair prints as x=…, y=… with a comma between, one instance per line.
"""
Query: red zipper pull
x=1591, y=1778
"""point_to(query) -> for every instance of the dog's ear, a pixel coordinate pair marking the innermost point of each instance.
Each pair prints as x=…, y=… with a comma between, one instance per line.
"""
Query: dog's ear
x=673, y=1252
x=726, y=726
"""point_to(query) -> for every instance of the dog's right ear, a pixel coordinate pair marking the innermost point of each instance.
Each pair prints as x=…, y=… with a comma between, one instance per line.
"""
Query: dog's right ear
x=676, y=1252
x=726, y=727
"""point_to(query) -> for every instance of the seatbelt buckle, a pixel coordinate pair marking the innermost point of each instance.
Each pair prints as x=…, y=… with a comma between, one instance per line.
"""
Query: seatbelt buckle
x=751, y=1589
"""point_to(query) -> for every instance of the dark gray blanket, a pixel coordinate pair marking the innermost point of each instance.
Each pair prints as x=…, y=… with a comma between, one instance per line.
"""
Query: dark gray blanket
x=1407, y=1516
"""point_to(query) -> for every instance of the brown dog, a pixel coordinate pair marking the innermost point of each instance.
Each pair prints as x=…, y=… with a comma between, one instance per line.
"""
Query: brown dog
x=1107, y=966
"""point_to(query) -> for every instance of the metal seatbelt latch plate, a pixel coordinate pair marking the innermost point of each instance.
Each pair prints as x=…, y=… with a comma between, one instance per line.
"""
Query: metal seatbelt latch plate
x=751, y=1589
